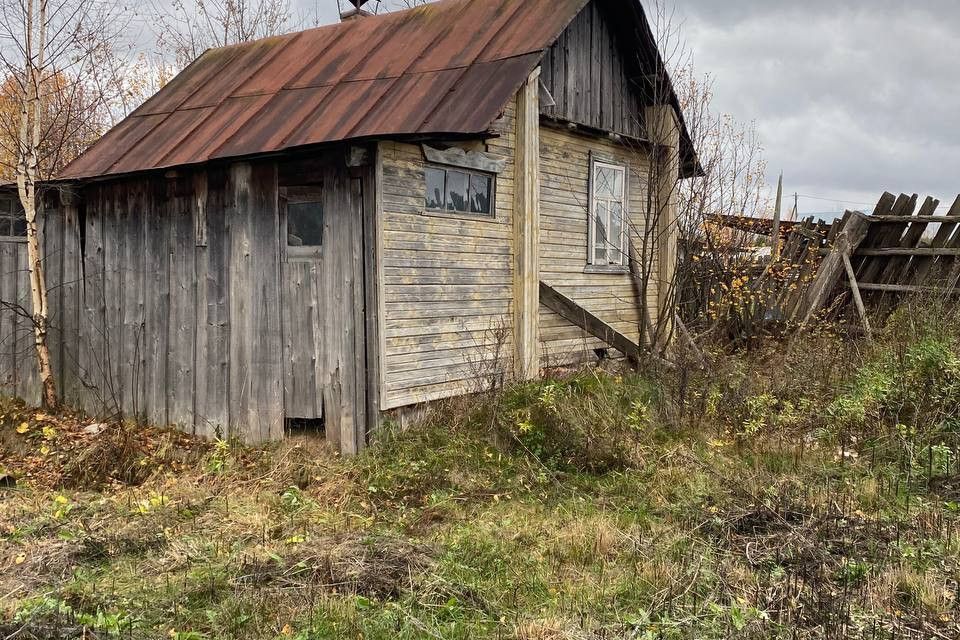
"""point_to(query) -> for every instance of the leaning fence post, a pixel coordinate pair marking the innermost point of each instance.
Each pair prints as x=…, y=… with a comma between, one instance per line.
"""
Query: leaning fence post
x=855, y=289
x=853, y=231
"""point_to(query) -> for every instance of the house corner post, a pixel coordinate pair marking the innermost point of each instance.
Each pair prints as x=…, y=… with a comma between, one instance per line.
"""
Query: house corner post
x=663, y=131
x=526, y=222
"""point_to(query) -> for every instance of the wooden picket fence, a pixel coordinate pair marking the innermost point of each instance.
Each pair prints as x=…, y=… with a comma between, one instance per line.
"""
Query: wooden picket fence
x=865, y=261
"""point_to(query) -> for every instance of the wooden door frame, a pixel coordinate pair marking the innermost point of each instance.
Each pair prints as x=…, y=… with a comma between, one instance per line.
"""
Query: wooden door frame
x=362, y=163
x=370, y=173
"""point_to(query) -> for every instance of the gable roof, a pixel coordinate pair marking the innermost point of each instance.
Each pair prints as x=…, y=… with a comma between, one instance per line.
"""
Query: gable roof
x=442, y=68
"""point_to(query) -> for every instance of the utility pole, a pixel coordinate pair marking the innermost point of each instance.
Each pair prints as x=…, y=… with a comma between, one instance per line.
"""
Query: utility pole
x=775, y=237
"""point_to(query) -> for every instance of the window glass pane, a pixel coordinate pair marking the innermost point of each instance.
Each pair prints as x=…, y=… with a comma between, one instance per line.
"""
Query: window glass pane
x=20, y=226
x=603, y=182
x=457, y=183
x=480, y=187
x=616, y=233
x=600, y=233
x=435, y=187
x=4, y=226
x=608, y=182
x=602, y=211
x=617, y=183
x=304, y=224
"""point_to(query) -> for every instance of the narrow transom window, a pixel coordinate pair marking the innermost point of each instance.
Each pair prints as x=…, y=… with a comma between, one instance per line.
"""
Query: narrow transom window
x=455, y=190
x=13, y=222
x=608, y=214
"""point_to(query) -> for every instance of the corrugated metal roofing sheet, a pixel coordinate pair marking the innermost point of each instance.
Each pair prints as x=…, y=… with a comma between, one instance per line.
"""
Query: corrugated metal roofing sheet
x=443, y=68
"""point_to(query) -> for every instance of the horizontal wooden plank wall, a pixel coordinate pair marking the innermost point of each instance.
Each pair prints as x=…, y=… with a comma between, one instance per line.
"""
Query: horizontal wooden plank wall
x=446, y=283
x=564, y=211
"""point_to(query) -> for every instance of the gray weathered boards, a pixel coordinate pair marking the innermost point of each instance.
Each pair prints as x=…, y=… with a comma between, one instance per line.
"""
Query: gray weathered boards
x=173, y=300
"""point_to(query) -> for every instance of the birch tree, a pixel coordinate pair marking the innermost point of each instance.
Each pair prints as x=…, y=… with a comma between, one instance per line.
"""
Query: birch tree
x=33, y=47
x=47, y=48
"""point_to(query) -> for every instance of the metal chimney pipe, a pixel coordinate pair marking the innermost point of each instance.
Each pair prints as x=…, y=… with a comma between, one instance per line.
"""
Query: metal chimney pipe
x=355, y=12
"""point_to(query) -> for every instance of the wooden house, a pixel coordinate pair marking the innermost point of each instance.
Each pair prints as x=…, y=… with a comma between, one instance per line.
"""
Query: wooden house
x=337, y=223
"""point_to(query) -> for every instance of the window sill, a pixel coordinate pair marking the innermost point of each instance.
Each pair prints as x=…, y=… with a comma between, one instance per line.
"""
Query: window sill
x=610, y=269
x=461, y=215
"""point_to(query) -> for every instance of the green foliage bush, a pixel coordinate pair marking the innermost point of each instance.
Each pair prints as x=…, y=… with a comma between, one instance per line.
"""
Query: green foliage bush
x=903, y=401
x=592, y=421
x=773, y=390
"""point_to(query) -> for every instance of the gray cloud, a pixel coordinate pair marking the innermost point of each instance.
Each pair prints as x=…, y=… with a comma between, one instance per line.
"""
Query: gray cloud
x=850, y=99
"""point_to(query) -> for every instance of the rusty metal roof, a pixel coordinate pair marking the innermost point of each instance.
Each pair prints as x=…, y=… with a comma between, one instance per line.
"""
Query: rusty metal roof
x=442, y=68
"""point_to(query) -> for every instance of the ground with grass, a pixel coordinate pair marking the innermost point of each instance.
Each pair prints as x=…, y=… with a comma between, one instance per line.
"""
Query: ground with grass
x=799, y=490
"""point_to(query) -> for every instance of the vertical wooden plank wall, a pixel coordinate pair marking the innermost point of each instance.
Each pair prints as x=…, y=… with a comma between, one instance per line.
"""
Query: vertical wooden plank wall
x=372, y=178
x=69, y=316
x=157, y=308
x=181, y=355
x=341, y=281
x=213, y=322
x=266, y=398
x=588, y=76
x=94, y=397
x=303, y=337
x=165, y=302
x=9, y=266
x=134, y=276
x=255, y=368
x=324, y=327
x=114, y=268
x=240, y=273
x=19, y=374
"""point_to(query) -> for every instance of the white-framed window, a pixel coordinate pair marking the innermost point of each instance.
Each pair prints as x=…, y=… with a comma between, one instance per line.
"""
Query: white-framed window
x=454, y=190
x=608, y=214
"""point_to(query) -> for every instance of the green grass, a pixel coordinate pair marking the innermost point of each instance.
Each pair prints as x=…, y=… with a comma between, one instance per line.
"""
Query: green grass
x=597, y=506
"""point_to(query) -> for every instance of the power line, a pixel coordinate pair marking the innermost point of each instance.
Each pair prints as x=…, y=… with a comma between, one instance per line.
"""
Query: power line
x=841, y=200
x=801, y=195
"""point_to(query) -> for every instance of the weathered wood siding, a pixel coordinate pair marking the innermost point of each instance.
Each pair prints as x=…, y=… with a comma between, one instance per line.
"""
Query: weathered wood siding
x=180, y=302
x=588, y=74
x=167, y=305
x=164, y=303
x=343, y=367
x=564, y=214
x=18, y=370
x=446, y=283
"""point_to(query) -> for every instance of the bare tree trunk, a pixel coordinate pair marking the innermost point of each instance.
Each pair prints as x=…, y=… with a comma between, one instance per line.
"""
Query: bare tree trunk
x=27, y=171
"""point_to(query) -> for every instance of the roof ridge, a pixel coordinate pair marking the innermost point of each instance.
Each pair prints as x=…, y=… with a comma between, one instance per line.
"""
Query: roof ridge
x=431, y=6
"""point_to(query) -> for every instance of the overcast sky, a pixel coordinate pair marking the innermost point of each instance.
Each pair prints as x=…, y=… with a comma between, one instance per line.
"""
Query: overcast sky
x=851, y=97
